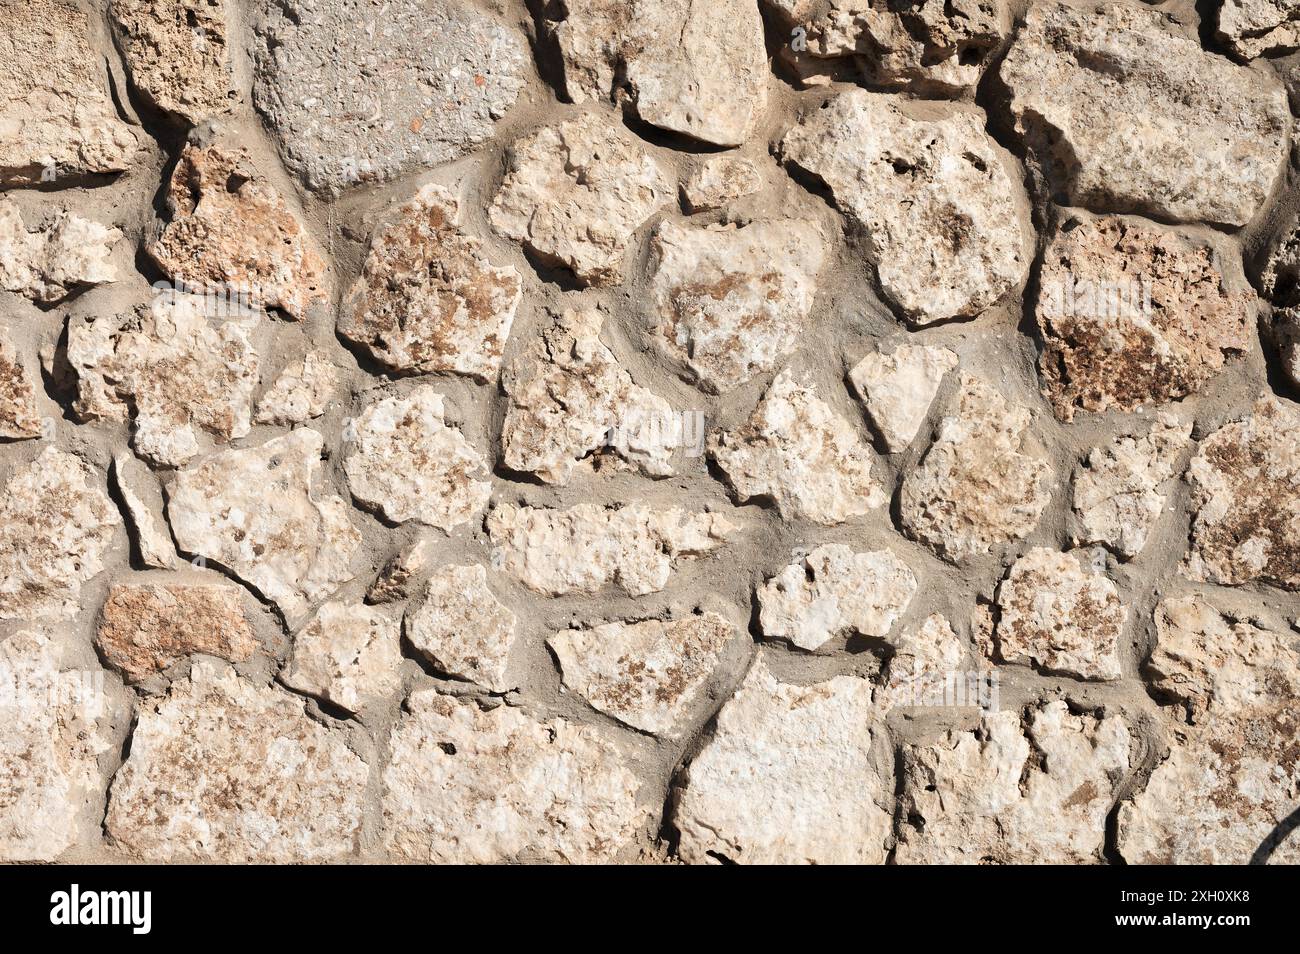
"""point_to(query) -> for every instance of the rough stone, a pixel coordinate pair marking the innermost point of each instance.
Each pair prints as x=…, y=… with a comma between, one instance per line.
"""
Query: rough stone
x=56, y=528
x=649, y=675
x=1231, y=776
x=145, y=627
x=259, y=513
x=833, y=590
x=358, y=93
x=699, y=70
x=898, y=389
x=1133, y=315
x=244, y=773
x=927, y=670
x=939, y=203
x=59, y=256
x=789, y=777
x=1060, y=616
x=729, y=302
x=233, y=238
x=1124, y=112
x=463, y=629
x=57, y=119
x=427, y=298
x=176, y=51
x=169, y=368
x=134, y=482
x=575, y=192
x=1279, y=279
x=468, y=786
x=303, y=391
x=976, y=487
x=1035, y=790
x=584, y=548
x=54, y=725
x=1252, y=28
x=20, y=417
x=572, y=405
x=348, y=655
x=403, y=573
x=798, y=453
x=409, y=464
x=718, y=181
x=1116, y=495
x=1245, y=481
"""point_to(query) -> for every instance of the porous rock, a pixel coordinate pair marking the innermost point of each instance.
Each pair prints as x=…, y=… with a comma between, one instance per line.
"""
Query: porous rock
x=898, y=388
x=718, y=181
x=302, y=391
x=348, y=655
x=462, y=628
x=63, y=254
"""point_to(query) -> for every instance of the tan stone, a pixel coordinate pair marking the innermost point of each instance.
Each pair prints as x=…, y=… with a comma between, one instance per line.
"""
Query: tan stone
x=468, y=786
x=898, y=389
x=302, y=391
x=718, y=181
x=349, y=655
x=463, y=629
x=61, y=255
x=928, y=671
x=427, y=298
x=138, y=489
x=20, y=418
x=403, y=573
x=1252, y=28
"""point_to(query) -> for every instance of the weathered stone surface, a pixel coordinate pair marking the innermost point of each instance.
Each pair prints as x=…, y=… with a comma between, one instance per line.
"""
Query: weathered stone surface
x=1012, y=794
x=1279, y=279
x=145, y=627
x=56, y=527
x=172, y=369
x=409, y=464
x=1245, y=481
x=924, y=177
x=54, y=725
x=730, y=302
x=648, y=675
x=1125, y=112
x=1059, y=616
x=303, y=391
x=58, y=257
x=348, y=655
x=1117, y=498
x=1133, y=315
x=259, y=513
x=20, y=418
x=582, y=549
x=468, y=786
x=1252, y=28
x=927, y=671
x=233, y=237
x=899, y=387
x=403, y=573
x=57, y=119
x=463, y=629
x=700, y=70
x=789, y=777
x=244, y=774
x=427, y=298
x=358, y=93
x=798, y=453
x=575, y=192
x=572, y=403
x=177, y=53
x=135, y=482
x=718, y=181
x=976, y=487
x=1231, y=776
x=833, y=590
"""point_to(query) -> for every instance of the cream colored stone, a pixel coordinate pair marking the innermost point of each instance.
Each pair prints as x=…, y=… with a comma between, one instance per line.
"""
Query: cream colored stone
x=403, y=573
x=135, y=482
x=720, y=180
x=302, y=391
x=60, y=256
x=349, y=655
x=928, y=670
x=468, y=786
x=833, y=590
x=729, y=302
x=20, y=417
x=463, y=629
x=409, y=464
x=1252, y=28
x=898, y=389
x=587, y=547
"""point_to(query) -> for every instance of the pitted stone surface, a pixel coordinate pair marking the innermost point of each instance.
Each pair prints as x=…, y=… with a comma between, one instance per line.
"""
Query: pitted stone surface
x=409, y=464
x=575, y=192
x=899, y=387
x=977, y=487
x=731, y=303
x=833, y=590
x=20, y=417
x=244, y=773
x=142, y=499
x=1124, y=111
x=921, y=178
x=720, y=180
x=468, y=786
x=302, y=391
x=789, y=777
x=1252, y=28
x=58, y=256
x=348, y=655
x=358, y=93
x=462, y=628
x=648, y=675
x=582, y=549
x=404, y=572
x=428, y=299
x=798, y=453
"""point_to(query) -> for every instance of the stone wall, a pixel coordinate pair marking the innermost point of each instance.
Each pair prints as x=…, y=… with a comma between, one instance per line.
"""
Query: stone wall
x=648, y=430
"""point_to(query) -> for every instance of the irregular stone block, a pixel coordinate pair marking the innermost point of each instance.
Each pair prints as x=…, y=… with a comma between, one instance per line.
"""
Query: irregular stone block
x=149, y=533
x=463, y=629
x=401, y=574
x=301, y=392
x=349, y=655
x=60, y=256
x=20, y=418
x=898, y=389
x=718, y=181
